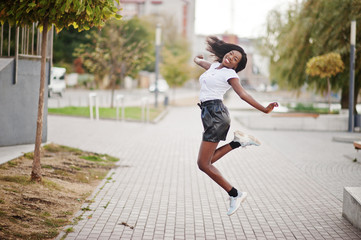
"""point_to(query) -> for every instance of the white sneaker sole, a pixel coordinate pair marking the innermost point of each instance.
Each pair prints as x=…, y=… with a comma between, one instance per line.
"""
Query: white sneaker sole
x=241, y=200
x=253, y=140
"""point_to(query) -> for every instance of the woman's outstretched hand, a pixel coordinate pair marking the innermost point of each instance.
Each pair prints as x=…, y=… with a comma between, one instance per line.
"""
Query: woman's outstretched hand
x=201, y=62
x=270, y=107
x=198, y=58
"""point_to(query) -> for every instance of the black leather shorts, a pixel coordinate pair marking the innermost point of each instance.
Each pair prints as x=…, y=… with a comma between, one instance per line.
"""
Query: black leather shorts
x=215, y=120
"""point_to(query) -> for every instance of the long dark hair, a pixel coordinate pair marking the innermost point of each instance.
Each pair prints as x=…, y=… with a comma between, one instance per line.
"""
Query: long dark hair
x=220, y=48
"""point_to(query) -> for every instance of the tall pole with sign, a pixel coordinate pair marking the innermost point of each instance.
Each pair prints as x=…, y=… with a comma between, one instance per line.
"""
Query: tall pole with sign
x=158, y=33
x=352, y=77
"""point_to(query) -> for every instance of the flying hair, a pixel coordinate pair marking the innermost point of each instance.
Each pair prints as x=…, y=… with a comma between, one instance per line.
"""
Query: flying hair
x=220, y=48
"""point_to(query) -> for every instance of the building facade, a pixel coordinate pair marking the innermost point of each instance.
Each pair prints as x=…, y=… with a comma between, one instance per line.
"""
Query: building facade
x=181, y=11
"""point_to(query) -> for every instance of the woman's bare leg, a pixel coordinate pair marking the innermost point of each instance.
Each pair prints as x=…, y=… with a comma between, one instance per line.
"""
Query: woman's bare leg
x=220, y=152
x=206, y=155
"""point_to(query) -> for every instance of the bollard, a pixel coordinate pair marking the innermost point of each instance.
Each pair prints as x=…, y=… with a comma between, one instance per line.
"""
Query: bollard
x=145, y=107
x=93, y=96
x=166, y=101
x=120, y=99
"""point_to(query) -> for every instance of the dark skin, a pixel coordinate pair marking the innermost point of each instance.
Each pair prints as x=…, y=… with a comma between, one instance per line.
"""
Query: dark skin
x=208, y=152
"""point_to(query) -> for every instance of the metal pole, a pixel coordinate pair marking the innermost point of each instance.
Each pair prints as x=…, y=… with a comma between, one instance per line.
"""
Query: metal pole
x=37, y=40
x=9, y=40
x=27, y=38
x=352, y=77
x=158, y=33
x=32, y=40
x=22, y=41
x=16, y=64
x=1, y=44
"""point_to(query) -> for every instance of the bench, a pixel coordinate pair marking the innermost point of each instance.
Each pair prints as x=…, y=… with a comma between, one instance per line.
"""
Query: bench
x=357, y=145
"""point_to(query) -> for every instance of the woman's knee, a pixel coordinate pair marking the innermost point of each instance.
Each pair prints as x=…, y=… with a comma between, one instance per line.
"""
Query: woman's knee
x=204, y=167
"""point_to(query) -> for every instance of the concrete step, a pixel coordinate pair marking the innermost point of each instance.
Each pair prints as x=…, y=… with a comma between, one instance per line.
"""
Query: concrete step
x=351, y=209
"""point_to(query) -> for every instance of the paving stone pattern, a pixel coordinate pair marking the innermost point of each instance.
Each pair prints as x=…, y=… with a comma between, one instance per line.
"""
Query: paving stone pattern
x=157, y=192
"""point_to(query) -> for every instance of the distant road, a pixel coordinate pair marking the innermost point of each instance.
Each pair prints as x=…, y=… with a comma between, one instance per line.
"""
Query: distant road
x=133, y=97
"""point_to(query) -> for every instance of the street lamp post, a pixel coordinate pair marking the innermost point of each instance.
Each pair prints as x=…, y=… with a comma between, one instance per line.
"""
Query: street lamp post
x=352, y=77
x=158, y=33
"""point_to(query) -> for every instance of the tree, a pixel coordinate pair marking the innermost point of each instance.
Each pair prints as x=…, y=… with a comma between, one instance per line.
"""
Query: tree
x=175, y=53
x=310, y=29
x=175, y=67
x=325, y=66
x=65, y=43
x=62, y=13
x=121, y=48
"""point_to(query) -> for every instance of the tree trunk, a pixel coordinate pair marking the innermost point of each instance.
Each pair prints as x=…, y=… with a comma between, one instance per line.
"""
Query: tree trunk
x=36, y=171
x=345, y=96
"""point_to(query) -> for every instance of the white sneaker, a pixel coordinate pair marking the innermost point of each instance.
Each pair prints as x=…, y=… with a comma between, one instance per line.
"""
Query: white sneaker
x=235, y=202
x=245, y=139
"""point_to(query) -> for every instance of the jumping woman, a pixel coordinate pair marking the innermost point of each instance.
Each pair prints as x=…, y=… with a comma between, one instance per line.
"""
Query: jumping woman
x=219, y=77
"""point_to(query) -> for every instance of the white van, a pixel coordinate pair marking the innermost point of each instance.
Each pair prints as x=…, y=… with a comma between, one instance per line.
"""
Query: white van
x=57, y=81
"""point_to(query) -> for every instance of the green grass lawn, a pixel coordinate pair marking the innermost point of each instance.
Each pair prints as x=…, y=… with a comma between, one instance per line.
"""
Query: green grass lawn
x=131, y=113
x=309, y=108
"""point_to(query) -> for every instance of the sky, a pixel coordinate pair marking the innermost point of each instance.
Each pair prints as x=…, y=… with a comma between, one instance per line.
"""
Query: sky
x=249, y=16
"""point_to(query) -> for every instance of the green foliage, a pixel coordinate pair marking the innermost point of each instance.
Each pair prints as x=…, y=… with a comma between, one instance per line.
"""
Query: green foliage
x=54, y=148
x=51, y=185
x=312, y=28
x=20, y=179
x=86, y=209
x=175, y=67
x=309, y=108
x=62, y=13
x=121, y=48
x=325, y=66
x=29, y=155
x=100, y=158
x=65, y=42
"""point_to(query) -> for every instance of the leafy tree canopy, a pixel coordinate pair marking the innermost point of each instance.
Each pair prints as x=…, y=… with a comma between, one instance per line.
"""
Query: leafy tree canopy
x=120, y=48
x=325, y=66
x=175, y=67
x=65, y=43
x=62, y=13
x=312, y=28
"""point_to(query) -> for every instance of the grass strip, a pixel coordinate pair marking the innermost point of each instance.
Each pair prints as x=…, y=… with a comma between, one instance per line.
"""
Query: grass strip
x=131, y=113
x=309, y=108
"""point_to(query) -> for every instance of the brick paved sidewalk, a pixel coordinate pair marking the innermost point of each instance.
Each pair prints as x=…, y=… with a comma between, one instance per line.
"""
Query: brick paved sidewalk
x=158, y=192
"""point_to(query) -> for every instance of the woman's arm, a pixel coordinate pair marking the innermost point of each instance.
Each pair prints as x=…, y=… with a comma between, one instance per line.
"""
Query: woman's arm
x=201, y=62
x=234, y=82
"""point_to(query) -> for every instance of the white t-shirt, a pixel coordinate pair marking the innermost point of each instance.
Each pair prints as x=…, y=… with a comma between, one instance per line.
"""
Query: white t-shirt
x=214, y=82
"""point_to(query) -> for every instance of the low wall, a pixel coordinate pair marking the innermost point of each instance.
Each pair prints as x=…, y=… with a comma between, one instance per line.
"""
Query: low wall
x=308, y=122
x=19, y=102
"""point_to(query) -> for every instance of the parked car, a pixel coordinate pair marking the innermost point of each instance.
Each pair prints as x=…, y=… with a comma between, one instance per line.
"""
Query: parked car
x=57, y=81
x=162, y=86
